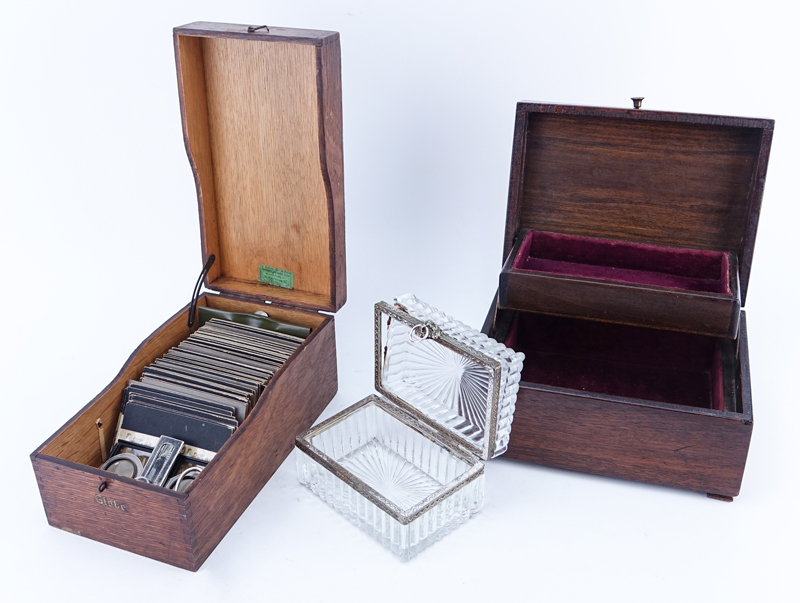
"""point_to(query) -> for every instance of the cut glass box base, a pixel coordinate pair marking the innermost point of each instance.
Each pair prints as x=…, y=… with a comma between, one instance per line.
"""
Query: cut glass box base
x=389, y=477
x=390, y=474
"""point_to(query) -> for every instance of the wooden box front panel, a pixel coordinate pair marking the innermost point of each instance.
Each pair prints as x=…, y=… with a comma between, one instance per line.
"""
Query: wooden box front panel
x=684, y=447
x=572, y=286
x=182, y=529
x=129, y=515
x=619, y=438
x=291, y=403
x=618, y=302
x=707, y=314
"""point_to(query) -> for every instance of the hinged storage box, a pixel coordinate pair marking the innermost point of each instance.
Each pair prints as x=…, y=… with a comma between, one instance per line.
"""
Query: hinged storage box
x=261, y=111
x=406, y=467
x=628, y=246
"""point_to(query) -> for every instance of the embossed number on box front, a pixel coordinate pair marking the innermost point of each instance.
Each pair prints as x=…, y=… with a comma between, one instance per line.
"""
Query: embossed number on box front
x=110, y=502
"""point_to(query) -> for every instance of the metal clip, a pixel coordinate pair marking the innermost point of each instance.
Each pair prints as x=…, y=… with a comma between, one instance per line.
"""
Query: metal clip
x=423, y=331
x=254, y=28
x=196, y=293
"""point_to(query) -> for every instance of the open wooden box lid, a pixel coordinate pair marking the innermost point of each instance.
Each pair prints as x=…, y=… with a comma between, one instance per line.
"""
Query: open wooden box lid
x=660, y=178
x=262, y=123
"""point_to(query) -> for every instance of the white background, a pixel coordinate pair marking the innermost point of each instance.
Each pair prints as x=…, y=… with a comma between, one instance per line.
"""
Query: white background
x=99, y=244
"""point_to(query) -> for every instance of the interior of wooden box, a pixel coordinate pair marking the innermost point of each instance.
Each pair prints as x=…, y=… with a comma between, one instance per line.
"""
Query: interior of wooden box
x=252, y=121
x=620, y=261
x=670, y=183
x=630, y=362
x=79, y=442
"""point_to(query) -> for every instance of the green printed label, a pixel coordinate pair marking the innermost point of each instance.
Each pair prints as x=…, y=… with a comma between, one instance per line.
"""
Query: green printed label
x=276, y=276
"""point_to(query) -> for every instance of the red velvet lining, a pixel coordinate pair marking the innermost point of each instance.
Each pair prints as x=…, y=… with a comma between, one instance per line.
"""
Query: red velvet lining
x=619, y=360
x=687, y=269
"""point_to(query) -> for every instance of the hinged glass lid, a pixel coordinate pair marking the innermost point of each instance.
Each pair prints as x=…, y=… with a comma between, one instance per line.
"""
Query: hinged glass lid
x=455, y=376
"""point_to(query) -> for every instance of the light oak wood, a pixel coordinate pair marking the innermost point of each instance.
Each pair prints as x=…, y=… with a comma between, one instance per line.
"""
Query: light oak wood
x=78, y=440
x=295, y=297
x=192, y=82
x=262, y=121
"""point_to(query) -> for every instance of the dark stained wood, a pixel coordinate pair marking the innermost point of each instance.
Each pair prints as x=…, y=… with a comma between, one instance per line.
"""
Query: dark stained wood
x=625, y=303
x=672, y=179
x=756, y=194
x=262, y=123
x=126, y=514
x=333, y=156
x=488, y=322
x=706, y=314
x=680, y=446
x=620, y=438
x=182, y=529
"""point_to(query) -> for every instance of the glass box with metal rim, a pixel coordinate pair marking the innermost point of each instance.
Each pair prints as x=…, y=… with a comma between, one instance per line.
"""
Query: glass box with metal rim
x=406, y=466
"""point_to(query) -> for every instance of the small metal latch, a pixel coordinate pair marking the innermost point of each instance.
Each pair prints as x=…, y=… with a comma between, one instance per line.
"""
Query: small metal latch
x=637, y=101
x=196, y=293
x=423, y=331
x=254, y=28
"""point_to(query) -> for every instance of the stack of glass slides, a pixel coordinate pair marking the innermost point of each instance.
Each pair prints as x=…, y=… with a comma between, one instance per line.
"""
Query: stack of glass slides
x=406, y=466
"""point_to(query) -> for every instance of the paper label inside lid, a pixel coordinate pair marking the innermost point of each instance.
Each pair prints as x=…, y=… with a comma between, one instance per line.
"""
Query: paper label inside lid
x=276, y=276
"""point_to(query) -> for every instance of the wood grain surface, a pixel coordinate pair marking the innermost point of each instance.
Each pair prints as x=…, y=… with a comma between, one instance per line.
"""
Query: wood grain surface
x=333, y=156
x=679, y=446
x=182, y=529
x=194, y=113
x=291, y=403
x=624, y=303
x=77, y=440
x=129, y=515
x=624, y=439
x=673, y=179
x=262, y=124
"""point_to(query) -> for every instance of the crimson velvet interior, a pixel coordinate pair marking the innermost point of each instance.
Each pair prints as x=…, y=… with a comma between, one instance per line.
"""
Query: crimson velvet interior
x=687, y=269
x=619, y=360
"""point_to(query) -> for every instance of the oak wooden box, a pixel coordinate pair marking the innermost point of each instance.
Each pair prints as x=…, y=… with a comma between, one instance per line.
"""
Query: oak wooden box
x=261, y=112
x=628, y=246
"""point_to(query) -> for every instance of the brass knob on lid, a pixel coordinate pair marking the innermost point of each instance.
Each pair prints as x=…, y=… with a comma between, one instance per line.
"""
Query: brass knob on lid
x=637, y=101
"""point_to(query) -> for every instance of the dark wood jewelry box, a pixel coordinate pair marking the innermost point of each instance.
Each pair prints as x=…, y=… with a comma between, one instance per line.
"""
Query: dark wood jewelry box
x=262, y=123
x=628, y=246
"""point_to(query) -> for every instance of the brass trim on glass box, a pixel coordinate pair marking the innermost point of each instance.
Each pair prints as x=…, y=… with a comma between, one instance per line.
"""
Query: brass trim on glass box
x=439, y=437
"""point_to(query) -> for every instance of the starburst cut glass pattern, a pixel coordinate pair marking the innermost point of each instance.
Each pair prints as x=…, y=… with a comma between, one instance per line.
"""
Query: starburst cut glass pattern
x=447, y=386
x=390, y=478
x=407, y=470
x=390, y=474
